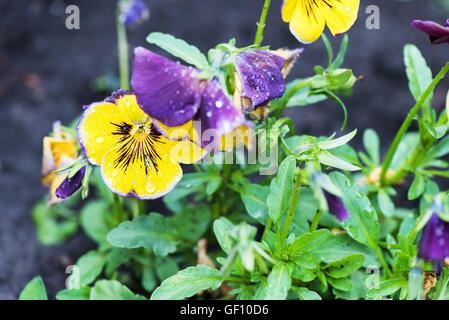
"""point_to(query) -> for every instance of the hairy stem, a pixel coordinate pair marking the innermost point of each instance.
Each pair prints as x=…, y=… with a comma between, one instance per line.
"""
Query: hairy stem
x=408, y=121
x=261, y=25
x=316, y=220
x=123, y=57
x=292, y=206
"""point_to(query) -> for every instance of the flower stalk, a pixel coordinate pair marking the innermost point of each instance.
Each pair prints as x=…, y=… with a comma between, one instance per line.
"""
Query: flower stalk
x=408, y=121
x=261, y=24
x=292, y=206
x=123, y=56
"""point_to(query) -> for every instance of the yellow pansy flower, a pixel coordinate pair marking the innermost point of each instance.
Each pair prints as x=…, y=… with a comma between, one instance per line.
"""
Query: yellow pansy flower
x=307, y=18
x=59, y=151
x=135, y=159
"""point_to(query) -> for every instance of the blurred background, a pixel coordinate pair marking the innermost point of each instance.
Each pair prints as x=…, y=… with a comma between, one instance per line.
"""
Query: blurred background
x=48, y=72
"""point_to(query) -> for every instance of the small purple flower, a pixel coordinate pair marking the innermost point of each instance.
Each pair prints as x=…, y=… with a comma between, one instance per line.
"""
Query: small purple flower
x=70, y=185
x=336, y=206
x=260, y=77
x=434, y=243
x=437, y=33
x=133, y=12
x=174, y=95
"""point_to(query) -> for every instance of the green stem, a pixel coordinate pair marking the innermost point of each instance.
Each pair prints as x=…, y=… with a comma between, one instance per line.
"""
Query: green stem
x=123, y=57
x=288, y=94
x=267, y=227
x=118, y=208
x=425, y=214
x=382, y=261
x=261, y=25
x=292, y=206
x=408, y=121
x=316, y=220
x=442, y=287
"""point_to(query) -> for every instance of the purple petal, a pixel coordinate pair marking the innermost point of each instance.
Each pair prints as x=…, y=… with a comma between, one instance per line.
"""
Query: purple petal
x=434, y=243
x=70, y=186
x=217, y=116
x=336, y=206
x=261, y=76
x=166, y=90
x=437, y=33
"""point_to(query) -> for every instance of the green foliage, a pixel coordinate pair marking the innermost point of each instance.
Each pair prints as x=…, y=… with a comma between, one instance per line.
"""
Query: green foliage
x=34, y=290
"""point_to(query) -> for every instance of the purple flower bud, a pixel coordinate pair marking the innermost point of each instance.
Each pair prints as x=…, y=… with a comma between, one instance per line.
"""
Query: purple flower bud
x=70, y=186
x=434, y=243
x=437, y=33
x=260, y=77
x=336, y=206
x=134, y=12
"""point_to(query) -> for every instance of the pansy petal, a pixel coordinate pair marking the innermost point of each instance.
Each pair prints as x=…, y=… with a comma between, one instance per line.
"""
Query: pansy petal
x=186, y=131
x=97, y=130
x=288, y=8
x=336, y=206
x=340, y=14
x=184, y=151
x=243, y=135
x=166, y=90
x=260, y=77
x=144, y=170
x=308, y=22
x=434, y=243
x=431, y=28
x=217, y=116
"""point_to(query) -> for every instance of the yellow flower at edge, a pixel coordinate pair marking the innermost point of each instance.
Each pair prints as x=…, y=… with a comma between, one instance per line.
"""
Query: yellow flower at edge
x=308, y=18
x=59, y=151
x=135, y=159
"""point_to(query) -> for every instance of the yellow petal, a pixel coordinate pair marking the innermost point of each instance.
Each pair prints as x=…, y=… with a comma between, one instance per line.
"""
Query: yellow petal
x=288, y=8
x=54, y=150
x=307, y=23
x=340, y=15
x=143, y=177
x=58, y=178
x=186, y=131
x=98, y=130
x=128, y=104
x=243, y=134
x=184, y=151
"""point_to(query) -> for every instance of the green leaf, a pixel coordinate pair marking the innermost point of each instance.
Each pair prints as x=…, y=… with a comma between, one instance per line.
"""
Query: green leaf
x=34, y=290
x=387, y=287
x=149, y=231
x=192, y=222
x=254, y=197
x=362, y=224
x=417, y=188
x=188, y=282
x=309, y=241
x=53, y=224
x=303, y=96
x=281, y=188
x=345, y=266
x=89, y=266
x=386, y=206
x=341, y=53
x=149, y=281
x=279, y=282
x=406, y=147
x=306, y=294
x=343, y=284
x=97, y=220
x=82, y=293
x=222, y=230
x=179, y=48
x=372, y=145
x=328, y=159
x=335, y=143
x=340, y=246
x=112, y=290
x=418, y=73
x=166, y=267
x=116, y=257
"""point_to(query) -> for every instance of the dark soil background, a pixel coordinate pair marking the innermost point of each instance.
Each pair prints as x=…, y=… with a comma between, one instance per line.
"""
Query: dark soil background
x=46, y=70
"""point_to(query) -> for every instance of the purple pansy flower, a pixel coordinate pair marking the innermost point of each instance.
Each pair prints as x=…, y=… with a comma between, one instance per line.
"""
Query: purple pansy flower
x=336, y=206
x=260, y=76
x=133, y=12
x=437, y=33
x=434, y=243
x=70, y=185
x=174, y=95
